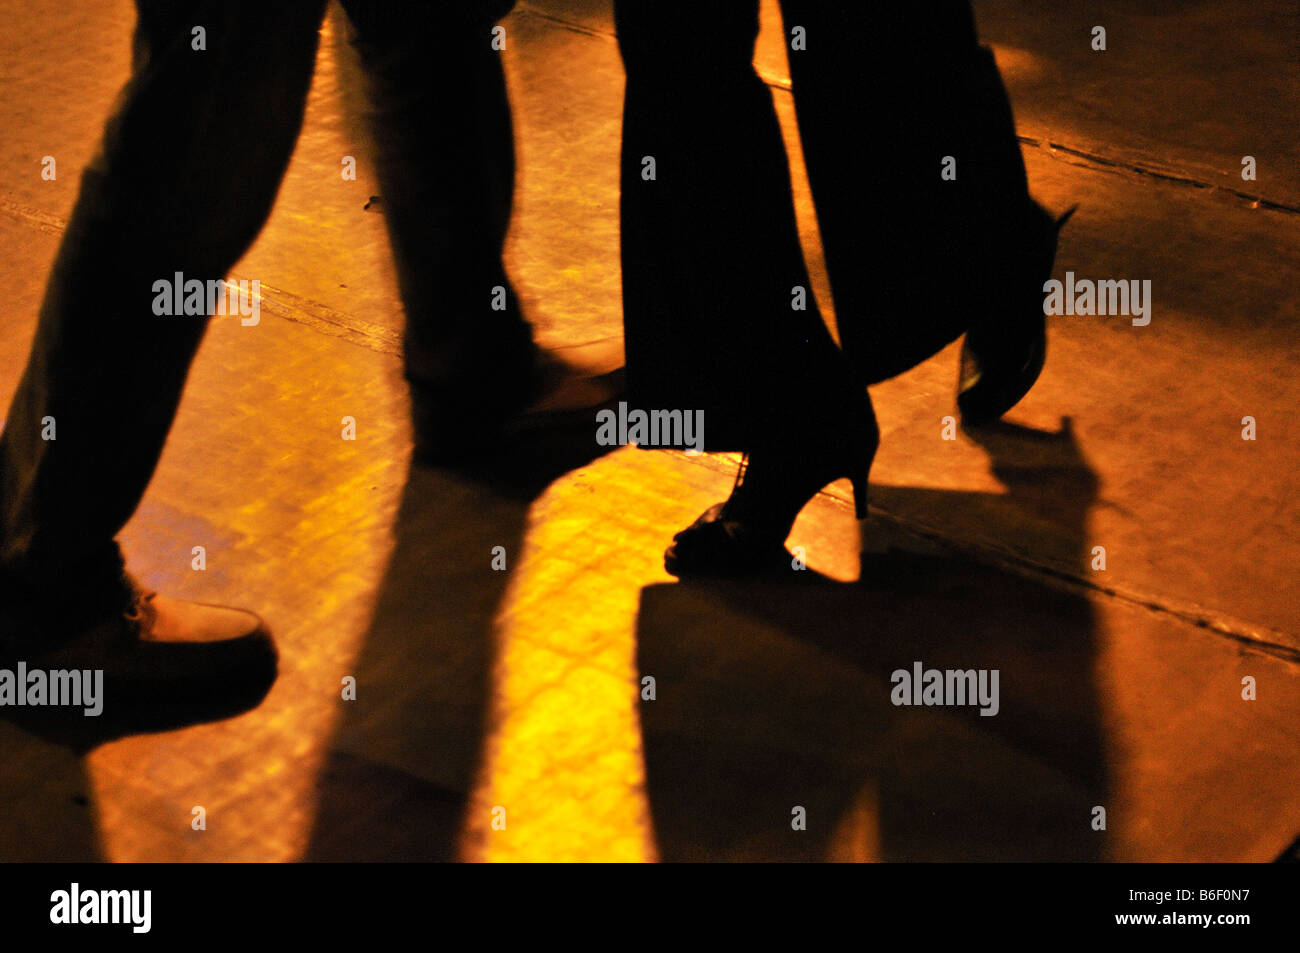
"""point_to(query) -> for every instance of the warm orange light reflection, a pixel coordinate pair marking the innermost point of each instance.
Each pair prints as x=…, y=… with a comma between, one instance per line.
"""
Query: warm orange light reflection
x=564, y=759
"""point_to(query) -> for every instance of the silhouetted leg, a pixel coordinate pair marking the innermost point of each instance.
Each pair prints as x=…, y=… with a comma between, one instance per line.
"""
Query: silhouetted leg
x=710, y=248
x=442, y=123
x=913, y=257
x=187, y=173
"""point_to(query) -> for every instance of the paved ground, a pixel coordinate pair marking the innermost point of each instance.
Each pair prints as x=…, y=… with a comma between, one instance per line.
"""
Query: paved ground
x=520, y=689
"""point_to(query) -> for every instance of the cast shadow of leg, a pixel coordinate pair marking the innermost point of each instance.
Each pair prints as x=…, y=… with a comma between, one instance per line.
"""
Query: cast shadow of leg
x=46, y=808
x=774, y=700
x=396, y=783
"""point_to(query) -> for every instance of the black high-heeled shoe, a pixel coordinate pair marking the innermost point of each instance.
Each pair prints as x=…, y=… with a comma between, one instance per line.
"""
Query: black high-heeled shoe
x=745, y=535
x=1002, y=358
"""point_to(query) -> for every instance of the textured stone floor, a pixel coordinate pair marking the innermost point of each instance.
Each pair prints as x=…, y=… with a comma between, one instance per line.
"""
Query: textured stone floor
x=485, y=694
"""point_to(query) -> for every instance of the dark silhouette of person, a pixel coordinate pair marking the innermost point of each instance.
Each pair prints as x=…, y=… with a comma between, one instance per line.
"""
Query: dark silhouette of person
x=171, y=191
x=926, y=222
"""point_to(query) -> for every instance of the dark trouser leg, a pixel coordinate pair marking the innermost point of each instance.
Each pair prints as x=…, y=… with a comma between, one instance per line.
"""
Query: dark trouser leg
x=912, y=258
x=710, y=248
x=188, y=170
x=442, y=125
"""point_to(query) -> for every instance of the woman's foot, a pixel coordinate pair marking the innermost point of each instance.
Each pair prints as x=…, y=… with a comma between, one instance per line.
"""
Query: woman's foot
x=715, y=545
x=745, y=535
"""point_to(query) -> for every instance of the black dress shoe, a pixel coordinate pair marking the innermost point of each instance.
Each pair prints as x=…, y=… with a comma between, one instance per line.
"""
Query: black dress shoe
x=459, y=425
x=1003, y=355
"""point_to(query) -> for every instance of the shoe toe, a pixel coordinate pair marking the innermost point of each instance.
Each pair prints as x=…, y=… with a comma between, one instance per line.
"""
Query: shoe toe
x=709, y=547
x=197, y=622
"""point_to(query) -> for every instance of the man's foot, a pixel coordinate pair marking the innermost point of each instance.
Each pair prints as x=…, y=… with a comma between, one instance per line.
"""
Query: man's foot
x=460, y=426
x=164, y=663
x=566, y=387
